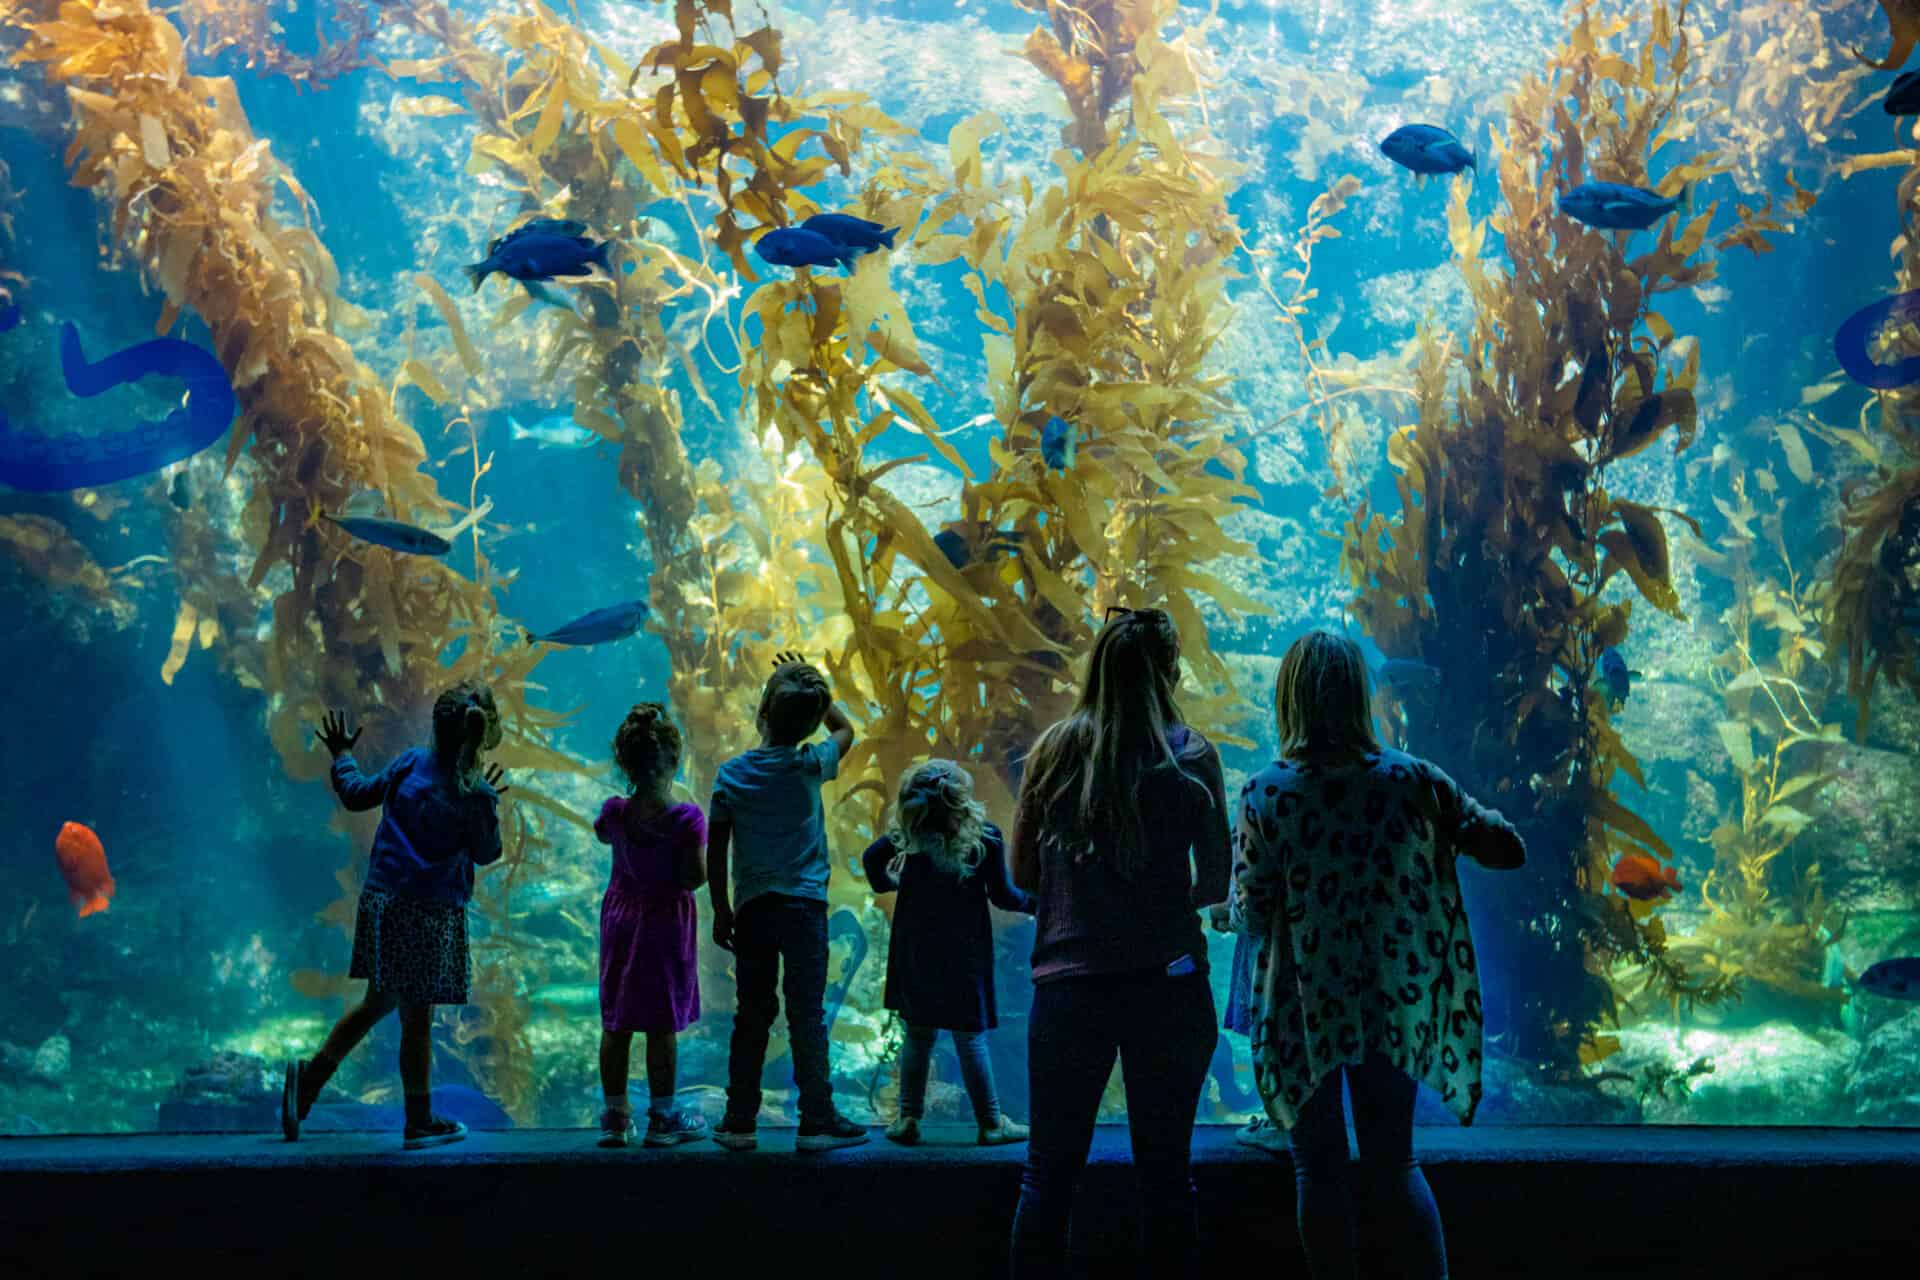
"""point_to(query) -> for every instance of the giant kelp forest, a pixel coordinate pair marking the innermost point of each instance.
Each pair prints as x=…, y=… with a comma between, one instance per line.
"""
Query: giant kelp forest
x=1537, y=475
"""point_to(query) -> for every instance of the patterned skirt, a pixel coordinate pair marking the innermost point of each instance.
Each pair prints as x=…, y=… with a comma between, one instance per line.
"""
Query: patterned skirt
x=413, y=950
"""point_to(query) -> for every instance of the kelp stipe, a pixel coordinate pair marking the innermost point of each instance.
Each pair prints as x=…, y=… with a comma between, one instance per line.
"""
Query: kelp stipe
x=1496, y=567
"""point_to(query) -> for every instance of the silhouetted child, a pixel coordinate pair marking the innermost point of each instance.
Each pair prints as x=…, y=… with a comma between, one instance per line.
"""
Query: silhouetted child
x=439, y=820
x=766, y=814
x=649, y=966
x=1259, y=1131
x=947, y=862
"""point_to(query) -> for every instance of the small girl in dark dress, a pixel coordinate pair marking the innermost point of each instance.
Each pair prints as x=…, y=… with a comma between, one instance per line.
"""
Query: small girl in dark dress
x=947, y=862
x=438, y=821
x=649, y=966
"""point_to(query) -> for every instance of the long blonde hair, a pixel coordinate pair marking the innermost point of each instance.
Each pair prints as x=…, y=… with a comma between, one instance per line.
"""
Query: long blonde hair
x=936, y=816
x=1321, y=698
x=1086, y=771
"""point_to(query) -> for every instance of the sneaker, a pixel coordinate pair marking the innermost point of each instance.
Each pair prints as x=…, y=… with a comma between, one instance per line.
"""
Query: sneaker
x=834, y=1132
x=736, y=1135
x=1263, y=1134
x=436, y=1132
x=905, y=1131
x=671, y=1128
x=1001, y=1132
x=616, y=1127
x=290, y=1101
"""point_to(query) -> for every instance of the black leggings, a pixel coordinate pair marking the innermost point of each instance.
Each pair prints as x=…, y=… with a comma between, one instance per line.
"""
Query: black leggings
x=1406, y=1221
x=1163, y=1031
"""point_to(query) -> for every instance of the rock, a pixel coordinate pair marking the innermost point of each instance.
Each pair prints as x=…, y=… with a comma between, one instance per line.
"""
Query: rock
x=227, y=1076
x=52, y=1060
x=1774, y=1073
x=1862, y=830
x=1882, y=1086
x=1514, y=1093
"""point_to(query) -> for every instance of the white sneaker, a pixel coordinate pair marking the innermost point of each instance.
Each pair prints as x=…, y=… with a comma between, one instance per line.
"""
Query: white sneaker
x=1261, y=1134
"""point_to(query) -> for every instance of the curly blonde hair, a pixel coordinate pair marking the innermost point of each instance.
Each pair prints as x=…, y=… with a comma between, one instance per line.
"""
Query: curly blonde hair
x=936, y=816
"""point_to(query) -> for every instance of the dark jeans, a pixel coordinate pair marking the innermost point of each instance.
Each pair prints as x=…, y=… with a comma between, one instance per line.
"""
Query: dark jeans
x=1406, y=1222
x=1163, y=1031
x=783, y=940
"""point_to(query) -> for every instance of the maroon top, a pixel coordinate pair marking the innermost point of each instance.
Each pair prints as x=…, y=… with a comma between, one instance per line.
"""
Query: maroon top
x=1091, y=920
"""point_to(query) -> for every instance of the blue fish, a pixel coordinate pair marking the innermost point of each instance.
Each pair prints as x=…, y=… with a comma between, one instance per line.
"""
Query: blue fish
x=9, y=316
x=1895, y=979
x=1612, y=206
x=1404, y=675
x=795, y=247
x=1059, y=442
x=1853, y=342
x=850, y=232
x=1903, y=96
x=1426, y=149
x=541, y=250
x=44, y=464
x=615, y=622
x=392, y=534
x=1616, y=676
x=954, y=545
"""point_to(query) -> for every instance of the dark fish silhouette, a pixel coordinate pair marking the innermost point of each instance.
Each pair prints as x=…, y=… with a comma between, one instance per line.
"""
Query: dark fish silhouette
x=1059, y=440
x=1613, y=206
x=850, y=232
x=795, y=247
x=616, y=622
x=1903, y=96
x=957, y=542
x=1404, y=675
x=1426, y=149
x=1616, y=676
x=541, y=250
x=1897, y=979
x=392, y=534
x=45, y=464
x=1853, y=342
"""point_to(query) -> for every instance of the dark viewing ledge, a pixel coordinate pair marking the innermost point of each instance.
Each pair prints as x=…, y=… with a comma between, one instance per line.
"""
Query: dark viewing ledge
x=1596, y=1202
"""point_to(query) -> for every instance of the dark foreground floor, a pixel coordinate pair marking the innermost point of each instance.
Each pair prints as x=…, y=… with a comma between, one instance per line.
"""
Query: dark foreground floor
x=1566, y=1203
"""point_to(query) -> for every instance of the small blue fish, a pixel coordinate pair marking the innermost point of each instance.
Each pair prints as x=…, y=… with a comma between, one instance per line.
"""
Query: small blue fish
x=1611, y=206
x=1059, y=442
x=850, y=232
x=1404, y=675
x=1903, y=96
x=1426, y=149
x=954, y=544
x=541, y=250
x=615, y=622
x=793, y=247
x=1617, y=676
x=1895, y=979
x=1853, y=342
x=392, y=534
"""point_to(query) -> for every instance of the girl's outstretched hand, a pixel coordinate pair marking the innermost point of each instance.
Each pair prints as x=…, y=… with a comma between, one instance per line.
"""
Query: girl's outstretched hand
x=333, y=734
x=782, y=659
x=494, y=774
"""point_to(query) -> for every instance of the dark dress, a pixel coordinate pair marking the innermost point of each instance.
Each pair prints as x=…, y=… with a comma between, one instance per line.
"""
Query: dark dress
x=940, y=956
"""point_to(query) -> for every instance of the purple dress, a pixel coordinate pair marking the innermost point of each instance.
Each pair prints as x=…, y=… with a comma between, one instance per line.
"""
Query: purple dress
x=649, y=938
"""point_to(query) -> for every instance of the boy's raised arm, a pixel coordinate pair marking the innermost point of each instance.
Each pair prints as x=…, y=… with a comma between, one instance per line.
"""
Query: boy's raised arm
x=839, y=727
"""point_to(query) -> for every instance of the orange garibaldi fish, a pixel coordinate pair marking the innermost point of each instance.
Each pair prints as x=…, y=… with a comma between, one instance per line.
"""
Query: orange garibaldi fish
x=1643, y=879
x=83, y=864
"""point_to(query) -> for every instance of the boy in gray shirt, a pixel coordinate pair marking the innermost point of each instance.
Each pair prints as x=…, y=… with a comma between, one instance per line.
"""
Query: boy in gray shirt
x=766, y=812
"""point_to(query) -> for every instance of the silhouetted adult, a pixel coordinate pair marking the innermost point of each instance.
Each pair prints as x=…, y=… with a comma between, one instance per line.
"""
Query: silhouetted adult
x=1344, y=858
x=1121, y=835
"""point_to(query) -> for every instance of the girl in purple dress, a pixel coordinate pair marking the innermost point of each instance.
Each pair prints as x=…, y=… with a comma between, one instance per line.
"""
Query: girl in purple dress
x=649, y=971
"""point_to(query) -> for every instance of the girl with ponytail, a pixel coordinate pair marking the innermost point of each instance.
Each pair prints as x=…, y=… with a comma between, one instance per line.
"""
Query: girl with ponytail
x=947, y=862
x=649, y=966
x=439, y=820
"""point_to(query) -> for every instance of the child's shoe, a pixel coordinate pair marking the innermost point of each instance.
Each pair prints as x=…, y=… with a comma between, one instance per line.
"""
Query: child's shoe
x=736, y=1134
x=1262, y=1134
x=436, y=1132
x=905, y=1131
x=290, y=1101
x=671, y=1128
x=616, y=1128
x=1001, y=1132
x=834, y=1132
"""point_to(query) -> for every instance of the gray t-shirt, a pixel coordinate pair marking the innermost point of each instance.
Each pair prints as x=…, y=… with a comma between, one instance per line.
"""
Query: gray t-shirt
x=772, y=797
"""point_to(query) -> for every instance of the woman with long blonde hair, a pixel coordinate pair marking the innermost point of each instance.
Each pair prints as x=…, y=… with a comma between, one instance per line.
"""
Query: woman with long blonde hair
x=1344, y=876
x=1121, y=834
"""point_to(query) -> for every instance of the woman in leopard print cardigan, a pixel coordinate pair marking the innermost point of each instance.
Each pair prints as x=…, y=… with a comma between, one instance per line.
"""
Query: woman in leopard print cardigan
x=1344, y=856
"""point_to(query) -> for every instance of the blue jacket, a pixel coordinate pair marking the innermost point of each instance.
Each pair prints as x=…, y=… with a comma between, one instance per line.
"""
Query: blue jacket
x=431, y=834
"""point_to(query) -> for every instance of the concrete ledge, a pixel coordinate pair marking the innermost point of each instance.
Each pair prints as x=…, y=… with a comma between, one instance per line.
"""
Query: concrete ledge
x=1593, y=1202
